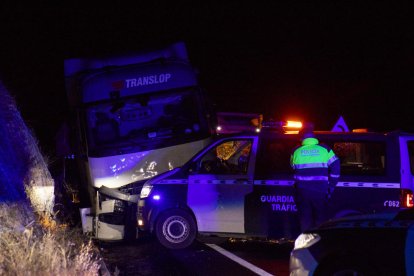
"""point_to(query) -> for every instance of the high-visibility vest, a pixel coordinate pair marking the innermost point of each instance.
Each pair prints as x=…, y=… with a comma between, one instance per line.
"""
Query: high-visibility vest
x=312, y=161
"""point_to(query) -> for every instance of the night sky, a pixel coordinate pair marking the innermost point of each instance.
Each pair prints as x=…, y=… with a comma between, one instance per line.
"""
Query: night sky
x=311, y=62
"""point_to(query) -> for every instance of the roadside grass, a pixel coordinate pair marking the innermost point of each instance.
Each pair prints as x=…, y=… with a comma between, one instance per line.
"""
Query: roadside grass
x=32, y=242
x=41, y=246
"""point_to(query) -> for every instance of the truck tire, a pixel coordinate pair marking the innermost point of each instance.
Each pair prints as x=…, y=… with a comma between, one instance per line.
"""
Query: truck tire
x=176, y=229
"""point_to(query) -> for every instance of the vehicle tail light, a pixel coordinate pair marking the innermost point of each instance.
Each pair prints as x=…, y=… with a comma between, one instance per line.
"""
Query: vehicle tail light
x=407, y=198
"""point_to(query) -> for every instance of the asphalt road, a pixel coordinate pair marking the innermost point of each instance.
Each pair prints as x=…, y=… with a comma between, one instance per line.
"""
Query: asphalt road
x=206, y=257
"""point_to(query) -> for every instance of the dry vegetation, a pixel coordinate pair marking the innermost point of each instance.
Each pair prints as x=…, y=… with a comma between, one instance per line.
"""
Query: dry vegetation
x=42, y=249
x=31, y=241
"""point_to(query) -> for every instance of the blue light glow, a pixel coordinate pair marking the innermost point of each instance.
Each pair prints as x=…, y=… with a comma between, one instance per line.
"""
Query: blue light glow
x=156, y=197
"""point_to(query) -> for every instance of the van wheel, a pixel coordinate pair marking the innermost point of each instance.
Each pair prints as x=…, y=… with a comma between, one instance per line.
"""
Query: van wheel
x=176, y=229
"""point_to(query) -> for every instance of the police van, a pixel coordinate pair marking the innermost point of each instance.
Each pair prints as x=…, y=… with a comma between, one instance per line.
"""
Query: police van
x=241, y=185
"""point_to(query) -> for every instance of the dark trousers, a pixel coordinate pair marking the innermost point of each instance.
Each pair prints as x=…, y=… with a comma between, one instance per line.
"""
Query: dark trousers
x=311, y=202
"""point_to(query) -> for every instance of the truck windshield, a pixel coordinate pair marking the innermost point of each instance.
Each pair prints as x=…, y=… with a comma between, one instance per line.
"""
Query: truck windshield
x=146, y=121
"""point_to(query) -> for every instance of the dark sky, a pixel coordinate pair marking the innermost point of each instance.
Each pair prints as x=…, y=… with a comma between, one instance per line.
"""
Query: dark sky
x=307, y=61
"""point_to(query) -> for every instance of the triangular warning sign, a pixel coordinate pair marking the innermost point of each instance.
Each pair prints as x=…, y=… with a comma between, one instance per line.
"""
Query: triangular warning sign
x=340, y=125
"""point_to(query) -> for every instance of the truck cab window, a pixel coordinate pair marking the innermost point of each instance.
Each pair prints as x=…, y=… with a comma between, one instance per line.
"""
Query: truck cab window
x=165, y=119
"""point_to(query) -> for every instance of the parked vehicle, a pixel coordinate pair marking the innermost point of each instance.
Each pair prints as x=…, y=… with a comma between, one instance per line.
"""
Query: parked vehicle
x=374, y=244
x=241, y=185
x=133, y=117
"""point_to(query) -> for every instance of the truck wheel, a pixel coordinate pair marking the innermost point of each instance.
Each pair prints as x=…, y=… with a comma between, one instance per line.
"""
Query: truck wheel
x=176, y=229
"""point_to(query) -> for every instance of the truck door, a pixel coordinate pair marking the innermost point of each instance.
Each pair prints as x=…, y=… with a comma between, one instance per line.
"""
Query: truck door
x=218, y=187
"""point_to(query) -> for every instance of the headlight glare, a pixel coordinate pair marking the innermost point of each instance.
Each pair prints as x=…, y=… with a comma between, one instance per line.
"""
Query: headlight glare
x=306, y=240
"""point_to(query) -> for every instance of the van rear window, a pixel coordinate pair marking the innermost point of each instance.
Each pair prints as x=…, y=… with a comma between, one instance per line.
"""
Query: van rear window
x=411, y=155
x=361, y=158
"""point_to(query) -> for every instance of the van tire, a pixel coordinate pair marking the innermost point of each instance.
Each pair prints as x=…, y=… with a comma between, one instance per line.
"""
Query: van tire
x=176, y=229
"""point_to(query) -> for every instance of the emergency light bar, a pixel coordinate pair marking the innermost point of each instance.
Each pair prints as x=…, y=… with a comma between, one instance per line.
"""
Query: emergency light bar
x=294, y=124
x=288, y=127
x=360, y=130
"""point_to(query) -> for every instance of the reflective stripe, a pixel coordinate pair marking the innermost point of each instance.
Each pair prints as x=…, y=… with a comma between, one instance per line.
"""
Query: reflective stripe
x=221, y=181
x=310, y=165
x=332, y=159
x=172, y=181
x=284, y=182
x=334, y=175
x=368, y=185
x=310, y=178
x=204, y=181
x=274, y=182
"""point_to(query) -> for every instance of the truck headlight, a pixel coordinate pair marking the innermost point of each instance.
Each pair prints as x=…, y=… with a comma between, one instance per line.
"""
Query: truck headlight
x=306, y=240
x=145, y=191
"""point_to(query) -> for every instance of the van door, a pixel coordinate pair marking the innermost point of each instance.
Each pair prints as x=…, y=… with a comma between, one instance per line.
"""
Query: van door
x=370, y=175
x=218, y=188
x=407, y=161
x=270, y=209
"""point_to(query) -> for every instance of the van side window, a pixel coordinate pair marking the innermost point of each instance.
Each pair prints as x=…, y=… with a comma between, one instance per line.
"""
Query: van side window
x=410, y=146
x=361, y=158
x=229, y=157
x=274, y=158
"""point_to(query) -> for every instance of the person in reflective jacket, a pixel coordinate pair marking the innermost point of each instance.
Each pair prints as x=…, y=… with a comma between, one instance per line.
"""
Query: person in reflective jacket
x=316, y=172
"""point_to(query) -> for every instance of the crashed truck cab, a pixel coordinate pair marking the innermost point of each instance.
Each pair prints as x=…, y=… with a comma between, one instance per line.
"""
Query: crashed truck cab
x=133, y=116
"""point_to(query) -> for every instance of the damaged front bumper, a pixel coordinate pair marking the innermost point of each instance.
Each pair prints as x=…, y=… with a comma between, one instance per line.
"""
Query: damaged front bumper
x=114, y=216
